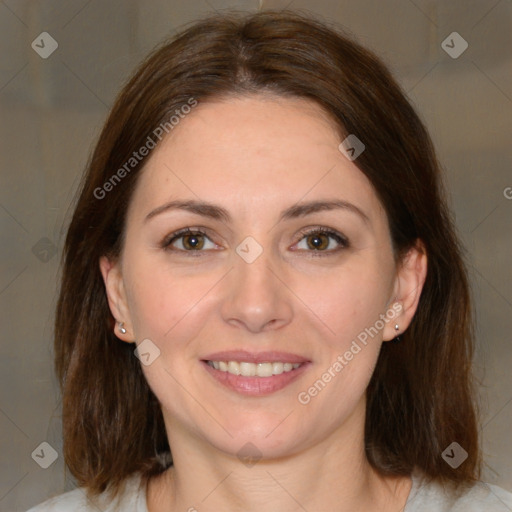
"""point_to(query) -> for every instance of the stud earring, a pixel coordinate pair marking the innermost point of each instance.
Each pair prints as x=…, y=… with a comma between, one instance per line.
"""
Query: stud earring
x=122, y=330
x=396, y=339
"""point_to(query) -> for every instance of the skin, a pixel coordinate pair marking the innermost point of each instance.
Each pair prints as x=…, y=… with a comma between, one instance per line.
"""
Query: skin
x=256, y=156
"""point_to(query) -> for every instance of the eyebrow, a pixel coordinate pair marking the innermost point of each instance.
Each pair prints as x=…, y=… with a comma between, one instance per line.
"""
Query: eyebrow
x=216, y=212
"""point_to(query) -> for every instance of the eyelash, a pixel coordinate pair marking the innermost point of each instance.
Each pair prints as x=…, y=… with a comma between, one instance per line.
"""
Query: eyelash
x=338, y=237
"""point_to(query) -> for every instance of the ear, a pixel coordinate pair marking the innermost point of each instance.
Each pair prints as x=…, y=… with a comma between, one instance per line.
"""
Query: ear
x=409, y=281
x=114, y=286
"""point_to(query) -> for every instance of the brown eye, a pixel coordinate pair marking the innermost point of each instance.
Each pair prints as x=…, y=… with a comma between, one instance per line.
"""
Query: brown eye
x=187, y=240
x=318, y=242
x=193, y=241
x=322, y=240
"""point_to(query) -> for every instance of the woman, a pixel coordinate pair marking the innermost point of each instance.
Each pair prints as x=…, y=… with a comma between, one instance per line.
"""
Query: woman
x=262, y=279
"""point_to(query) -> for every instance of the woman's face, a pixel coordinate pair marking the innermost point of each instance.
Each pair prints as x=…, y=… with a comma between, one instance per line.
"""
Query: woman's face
x=259, y=284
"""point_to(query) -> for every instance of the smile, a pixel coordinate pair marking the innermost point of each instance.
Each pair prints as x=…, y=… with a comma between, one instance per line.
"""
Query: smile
x=248, y=369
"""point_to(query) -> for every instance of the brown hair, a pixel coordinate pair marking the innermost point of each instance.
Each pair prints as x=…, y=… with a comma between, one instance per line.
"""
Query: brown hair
x=421, y=396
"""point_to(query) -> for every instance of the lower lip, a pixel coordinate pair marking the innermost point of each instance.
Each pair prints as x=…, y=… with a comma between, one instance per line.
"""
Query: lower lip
x=255, y=386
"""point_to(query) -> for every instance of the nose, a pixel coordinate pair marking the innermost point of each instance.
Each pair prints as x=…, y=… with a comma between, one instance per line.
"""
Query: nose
x=256, y=297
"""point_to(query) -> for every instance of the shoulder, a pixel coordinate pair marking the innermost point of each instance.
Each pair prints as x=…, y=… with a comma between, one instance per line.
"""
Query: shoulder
x=434, y=497
x=132, y=499
x=72, y=500
x=483, y=497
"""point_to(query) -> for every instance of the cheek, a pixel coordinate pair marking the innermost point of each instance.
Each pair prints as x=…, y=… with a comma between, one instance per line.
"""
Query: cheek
x=349, y=300
x=161, y=301
x=349, y=303
x=170, y=310
x=347, y=355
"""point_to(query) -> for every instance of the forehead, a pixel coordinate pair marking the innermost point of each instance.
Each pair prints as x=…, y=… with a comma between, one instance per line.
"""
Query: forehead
x=255, y=152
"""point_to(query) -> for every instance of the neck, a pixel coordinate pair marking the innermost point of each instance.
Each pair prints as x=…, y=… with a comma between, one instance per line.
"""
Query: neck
x=331, y=475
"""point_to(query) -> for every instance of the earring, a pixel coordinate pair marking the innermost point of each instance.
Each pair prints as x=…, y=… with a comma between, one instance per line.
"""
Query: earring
x=122, y=330
x=396, y=339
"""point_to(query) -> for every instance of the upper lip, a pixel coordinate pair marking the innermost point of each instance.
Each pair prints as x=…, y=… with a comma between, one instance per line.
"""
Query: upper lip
x=255, y=357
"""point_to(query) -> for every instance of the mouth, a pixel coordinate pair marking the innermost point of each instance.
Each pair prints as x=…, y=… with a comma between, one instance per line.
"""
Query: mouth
x=248, y=369
x=255, y=374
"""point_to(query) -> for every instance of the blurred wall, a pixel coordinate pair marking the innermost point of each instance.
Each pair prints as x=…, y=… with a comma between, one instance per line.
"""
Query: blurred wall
x=53, y=105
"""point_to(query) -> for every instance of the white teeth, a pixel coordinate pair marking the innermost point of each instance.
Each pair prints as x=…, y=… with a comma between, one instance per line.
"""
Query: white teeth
x=253, y=369
x=264, y=369
x=234, y=368
x=277, y=368
x=247, y=369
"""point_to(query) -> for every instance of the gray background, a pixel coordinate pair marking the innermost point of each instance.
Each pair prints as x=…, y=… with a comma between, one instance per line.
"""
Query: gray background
x=51, y=113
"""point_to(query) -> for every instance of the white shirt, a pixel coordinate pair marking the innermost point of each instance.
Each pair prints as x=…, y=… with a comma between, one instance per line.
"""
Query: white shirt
x=423, y=497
